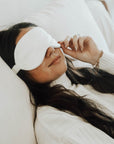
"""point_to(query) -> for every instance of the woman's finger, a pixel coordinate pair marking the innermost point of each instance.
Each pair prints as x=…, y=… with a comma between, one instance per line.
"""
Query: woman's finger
x=75, y=39
x=71, y=44
x=87, y=41
x=62, y=44
x=66, y=41
x=81, y=43
x=69, y=52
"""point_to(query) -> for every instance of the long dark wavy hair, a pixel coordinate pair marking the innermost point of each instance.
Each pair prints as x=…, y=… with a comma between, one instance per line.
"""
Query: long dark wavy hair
x=58, y=96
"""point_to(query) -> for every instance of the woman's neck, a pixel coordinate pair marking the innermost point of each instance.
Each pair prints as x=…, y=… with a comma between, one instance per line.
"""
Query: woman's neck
x=63, y=80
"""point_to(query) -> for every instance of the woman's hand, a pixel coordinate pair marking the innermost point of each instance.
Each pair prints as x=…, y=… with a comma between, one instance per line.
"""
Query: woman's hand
x=82, y=48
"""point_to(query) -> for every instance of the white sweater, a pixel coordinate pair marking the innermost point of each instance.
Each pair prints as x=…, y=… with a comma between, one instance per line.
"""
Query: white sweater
x=58, y=127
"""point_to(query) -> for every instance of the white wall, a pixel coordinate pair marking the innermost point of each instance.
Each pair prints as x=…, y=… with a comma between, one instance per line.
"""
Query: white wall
x=12, y=11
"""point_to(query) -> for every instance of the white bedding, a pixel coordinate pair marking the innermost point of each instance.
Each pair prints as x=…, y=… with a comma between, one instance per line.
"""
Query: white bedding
x=16, y=119
x=104, y=21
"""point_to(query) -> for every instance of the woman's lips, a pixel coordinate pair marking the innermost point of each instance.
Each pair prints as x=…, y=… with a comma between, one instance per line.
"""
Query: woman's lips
x=56, y=60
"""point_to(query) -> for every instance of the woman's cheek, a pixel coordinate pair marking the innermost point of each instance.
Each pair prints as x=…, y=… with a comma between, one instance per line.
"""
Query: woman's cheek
x=48, y=74
x=56, y=73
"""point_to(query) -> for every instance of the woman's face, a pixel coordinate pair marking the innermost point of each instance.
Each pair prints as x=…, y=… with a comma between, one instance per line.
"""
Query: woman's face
x=52, y=67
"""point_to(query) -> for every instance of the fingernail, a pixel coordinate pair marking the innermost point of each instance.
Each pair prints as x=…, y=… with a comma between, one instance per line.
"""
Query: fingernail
x=68, y=38
x=78, y=35
x=76, y=48
x=66, y=42
x=75, y=36
x=81, y=49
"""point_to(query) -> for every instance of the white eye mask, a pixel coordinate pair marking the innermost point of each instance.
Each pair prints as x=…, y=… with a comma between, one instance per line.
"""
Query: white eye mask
x=31, y=48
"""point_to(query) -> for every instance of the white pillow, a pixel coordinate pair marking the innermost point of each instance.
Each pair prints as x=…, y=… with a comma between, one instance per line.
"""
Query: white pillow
x=68, y=17
x=16, y=115
x=104, y=21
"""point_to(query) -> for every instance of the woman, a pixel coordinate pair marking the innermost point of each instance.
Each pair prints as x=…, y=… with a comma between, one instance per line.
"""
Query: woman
x=55, y=83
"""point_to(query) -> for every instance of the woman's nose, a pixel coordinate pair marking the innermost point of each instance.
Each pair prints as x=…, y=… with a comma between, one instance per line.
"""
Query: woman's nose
x=50, y=51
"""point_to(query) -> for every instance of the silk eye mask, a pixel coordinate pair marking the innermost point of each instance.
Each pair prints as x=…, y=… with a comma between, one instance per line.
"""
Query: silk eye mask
x=31, y=48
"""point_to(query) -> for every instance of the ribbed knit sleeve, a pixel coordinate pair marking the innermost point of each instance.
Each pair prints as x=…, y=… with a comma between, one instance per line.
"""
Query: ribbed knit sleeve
x=57, y=127
x=107, y=62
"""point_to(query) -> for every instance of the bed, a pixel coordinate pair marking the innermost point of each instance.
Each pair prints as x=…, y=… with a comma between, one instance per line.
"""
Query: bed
x=59, y=18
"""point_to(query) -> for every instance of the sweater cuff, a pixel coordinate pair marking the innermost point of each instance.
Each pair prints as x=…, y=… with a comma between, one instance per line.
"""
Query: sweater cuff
x=106, y=62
